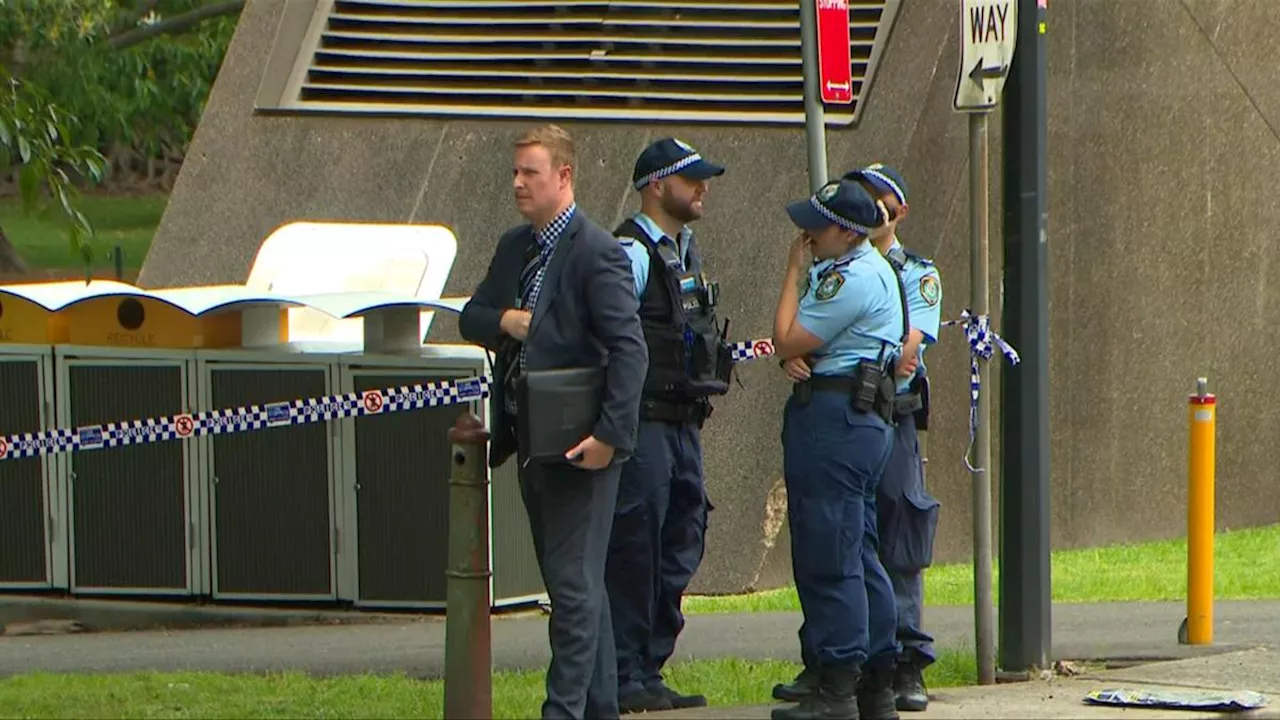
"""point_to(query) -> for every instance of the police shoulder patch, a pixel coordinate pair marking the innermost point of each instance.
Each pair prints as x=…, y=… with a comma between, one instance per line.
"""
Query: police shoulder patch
x=930, y=290
x=828, y=286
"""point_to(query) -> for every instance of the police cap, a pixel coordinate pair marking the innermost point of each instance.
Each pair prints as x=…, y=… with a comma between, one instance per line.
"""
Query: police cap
x=840, y=202
x=883, y=178
x=670, y=156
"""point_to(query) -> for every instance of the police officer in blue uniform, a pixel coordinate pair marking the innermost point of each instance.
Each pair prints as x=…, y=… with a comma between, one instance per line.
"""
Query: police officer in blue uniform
x=660, y=522
x=908, y=515
x=846, y=312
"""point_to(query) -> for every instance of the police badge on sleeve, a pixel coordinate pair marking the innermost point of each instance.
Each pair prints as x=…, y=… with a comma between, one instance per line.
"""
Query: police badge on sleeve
x=828, y=286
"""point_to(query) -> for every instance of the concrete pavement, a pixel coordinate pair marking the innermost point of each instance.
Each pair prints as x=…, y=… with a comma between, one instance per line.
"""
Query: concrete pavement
x=415, y=645
x=1063, y=697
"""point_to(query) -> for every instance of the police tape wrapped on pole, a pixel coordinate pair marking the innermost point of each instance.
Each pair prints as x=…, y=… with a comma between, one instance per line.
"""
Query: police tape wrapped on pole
x=982, y=343
x=287, y=412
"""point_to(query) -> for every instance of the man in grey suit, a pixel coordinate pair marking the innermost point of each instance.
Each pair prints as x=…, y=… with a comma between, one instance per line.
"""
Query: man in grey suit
x=559, y=294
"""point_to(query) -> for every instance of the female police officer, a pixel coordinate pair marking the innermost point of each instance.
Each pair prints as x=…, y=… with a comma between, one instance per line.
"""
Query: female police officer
x=844, y=311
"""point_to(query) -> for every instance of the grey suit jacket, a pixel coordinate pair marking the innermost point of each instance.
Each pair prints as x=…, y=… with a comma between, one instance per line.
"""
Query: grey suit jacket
x=586, y=316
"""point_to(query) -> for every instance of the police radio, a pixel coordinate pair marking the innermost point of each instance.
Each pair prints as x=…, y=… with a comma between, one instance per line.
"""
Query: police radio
x=867, y=379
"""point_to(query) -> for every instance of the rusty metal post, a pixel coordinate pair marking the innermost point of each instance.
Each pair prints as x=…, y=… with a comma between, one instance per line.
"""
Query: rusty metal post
x=468, y=663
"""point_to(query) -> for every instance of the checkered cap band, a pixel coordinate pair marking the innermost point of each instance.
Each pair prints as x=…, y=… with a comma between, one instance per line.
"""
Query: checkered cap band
x=842, y=222
x=897, y=191
x=671, y=169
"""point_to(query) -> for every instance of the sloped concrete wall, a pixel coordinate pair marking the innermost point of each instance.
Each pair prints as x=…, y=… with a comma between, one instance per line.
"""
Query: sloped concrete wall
x=1163, y=164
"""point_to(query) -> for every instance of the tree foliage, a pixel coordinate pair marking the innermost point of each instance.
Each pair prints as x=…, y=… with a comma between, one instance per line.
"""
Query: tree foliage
x=38, y=135
x=80, y=78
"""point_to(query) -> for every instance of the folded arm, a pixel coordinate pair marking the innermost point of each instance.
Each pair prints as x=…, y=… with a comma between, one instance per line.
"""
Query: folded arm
x=481, y=321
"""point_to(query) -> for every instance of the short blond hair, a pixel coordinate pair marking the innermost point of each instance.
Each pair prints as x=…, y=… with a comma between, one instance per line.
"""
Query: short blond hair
x=555, y=139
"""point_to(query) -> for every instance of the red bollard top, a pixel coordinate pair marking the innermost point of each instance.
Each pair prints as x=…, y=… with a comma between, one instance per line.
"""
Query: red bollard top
x=1207, y=399
x=468, y=430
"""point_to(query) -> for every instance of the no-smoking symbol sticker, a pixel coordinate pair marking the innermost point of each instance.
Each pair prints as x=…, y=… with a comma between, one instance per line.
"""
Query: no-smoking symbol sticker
x=762, y=348
x=4, y=447
x=184, y=425
x=372, y=400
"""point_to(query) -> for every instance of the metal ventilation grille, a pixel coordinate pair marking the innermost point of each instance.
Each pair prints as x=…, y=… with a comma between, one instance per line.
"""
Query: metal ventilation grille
x=23, y=542
x=128, y=504
x=271, y=491
x=670, y=60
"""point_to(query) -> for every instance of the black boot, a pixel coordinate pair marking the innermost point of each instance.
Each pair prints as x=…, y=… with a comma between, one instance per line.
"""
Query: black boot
x=908, y=687
x=836, y=698
x=876, y=700
x=643, y=701
x=800, y=688
x=678, y=701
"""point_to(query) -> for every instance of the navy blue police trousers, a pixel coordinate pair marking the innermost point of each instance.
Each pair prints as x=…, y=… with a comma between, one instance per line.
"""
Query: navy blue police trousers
x=908, y=522
x=833, y=458
x=656, y=546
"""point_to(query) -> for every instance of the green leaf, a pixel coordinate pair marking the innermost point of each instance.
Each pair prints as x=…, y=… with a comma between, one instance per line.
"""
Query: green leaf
x=6, y=137
x=24, y=149
x=64, y=198
x=84, y=223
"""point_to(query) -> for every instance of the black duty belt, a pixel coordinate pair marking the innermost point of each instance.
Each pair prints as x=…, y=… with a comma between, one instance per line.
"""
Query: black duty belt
x=674, y=412
x=822, y=383
x=803, y=391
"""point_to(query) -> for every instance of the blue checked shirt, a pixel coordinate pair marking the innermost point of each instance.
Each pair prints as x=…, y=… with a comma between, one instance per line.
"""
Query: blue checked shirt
x=531, y=279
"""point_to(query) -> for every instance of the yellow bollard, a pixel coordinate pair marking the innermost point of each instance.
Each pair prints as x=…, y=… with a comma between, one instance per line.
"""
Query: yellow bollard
x=1202, y=411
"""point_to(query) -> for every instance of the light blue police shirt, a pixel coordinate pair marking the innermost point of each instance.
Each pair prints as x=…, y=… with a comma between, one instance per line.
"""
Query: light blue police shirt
x=923, y=287
x=858, y=319
x=639, y=252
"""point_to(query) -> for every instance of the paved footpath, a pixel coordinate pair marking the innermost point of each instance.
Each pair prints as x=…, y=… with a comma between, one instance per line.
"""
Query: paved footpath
x=416, y=645
x=1060, y=697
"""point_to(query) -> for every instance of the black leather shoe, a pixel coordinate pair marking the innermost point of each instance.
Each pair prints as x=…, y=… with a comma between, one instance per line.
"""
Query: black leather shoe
x=876, y=699
x=908, y=687
x=803, y=686
x=678, y=701
x=643, y=701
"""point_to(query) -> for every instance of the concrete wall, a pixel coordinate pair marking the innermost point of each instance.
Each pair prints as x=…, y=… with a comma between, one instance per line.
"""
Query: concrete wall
x=1163, y=164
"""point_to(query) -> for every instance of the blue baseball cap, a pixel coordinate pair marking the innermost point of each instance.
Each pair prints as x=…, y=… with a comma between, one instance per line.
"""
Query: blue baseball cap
x=840, y=202
x=883, y=178
x=670, y=156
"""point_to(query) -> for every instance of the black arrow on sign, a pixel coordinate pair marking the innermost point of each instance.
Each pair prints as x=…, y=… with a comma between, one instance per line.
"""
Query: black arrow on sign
x=980, y=73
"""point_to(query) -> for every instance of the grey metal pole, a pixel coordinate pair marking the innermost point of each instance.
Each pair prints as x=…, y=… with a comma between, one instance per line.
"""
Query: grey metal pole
x=983, y=609
x=1026, y=607
x=468, y=664
x=815, y=133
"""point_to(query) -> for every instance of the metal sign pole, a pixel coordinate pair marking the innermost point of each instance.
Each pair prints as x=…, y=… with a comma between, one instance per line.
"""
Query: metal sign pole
x=814, y=129
x=983, y=606
x=988, y=37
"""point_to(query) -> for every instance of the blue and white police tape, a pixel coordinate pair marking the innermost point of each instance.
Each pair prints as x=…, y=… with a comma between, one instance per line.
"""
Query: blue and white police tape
x=278, y=414
x=982, y=343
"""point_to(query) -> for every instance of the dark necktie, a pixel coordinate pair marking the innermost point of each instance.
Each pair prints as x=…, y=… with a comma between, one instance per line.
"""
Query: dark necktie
x=528, y=277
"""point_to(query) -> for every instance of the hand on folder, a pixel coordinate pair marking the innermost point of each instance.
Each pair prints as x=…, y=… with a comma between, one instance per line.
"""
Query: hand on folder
x=590, y=454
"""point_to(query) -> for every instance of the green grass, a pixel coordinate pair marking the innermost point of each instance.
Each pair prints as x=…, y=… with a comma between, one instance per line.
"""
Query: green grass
x=1246, y=567
x=726, y=683
x=41, y=238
